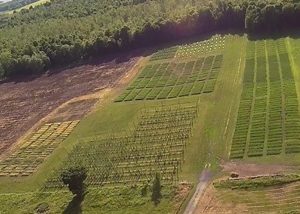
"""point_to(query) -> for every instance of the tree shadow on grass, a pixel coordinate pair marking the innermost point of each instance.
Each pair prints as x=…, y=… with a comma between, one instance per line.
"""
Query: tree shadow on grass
x=74, y=206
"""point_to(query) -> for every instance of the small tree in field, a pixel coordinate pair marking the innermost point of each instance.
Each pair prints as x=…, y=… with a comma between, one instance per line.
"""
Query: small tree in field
x=74, y=178
x=156, y=190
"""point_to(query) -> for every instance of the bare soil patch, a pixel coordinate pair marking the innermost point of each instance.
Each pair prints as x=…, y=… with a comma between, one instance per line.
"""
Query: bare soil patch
x=210, y=203
x=73, y=110
x=24, y=103
x=249, y=169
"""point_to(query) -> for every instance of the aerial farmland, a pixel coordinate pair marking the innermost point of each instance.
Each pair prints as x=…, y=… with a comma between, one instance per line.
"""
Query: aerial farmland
x=149, y=106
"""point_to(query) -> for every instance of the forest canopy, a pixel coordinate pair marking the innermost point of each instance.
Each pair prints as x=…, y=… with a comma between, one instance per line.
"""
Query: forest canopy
x=60, y=32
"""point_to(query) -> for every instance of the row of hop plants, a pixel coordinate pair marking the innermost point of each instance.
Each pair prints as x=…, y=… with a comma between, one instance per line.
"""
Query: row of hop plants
x=132, y=158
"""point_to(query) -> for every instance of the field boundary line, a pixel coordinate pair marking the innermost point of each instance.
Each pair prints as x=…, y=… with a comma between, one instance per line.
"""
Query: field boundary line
x=252, y=104
x=268, y=101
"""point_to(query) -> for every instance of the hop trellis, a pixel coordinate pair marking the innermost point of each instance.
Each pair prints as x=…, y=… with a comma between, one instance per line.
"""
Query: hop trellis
x=156, y=144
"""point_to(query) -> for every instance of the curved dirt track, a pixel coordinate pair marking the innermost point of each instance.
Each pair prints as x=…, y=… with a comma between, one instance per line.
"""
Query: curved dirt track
x=204, y=180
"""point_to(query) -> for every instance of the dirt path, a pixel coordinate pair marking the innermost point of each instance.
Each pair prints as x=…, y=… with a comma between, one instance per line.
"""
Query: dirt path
x=203, y=183
x=252, y=169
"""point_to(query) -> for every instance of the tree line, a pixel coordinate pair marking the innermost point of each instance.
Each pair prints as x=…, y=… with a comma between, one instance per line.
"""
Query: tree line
x=35, y=40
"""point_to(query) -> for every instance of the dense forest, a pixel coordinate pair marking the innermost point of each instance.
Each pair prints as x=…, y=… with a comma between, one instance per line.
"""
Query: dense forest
x=62, y=31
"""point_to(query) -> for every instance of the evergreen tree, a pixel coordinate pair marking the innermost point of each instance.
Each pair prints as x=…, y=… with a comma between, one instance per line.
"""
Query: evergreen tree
x=156, y=190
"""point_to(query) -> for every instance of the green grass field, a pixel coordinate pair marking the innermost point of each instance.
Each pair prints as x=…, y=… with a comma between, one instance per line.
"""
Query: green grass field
x=189, y=106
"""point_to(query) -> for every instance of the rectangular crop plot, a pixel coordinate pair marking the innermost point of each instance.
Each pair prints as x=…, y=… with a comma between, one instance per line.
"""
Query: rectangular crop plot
x=175, y=91
x=186, y=90
x=164, y=93
x=143, y=93
x=25, y=159
x=156, y=145
x=153, y=93
x=132, y=94
x=268, y=117
x=168, y=53
x=175, y=79
x=212, y=46
x=197, y=89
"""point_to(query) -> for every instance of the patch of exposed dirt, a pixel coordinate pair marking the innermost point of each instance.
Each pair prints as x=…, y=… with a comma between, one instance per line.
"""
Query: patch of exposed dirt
x=24, y=103
x=250, y=169
x=73, y=110
x=210, y=203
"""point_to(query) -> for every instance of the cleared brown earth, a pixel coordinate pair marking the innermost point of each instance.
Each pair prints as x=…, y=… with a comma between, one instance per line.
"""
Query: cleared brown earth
x=265, y=200
x=24, y=103
x=73, y=110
